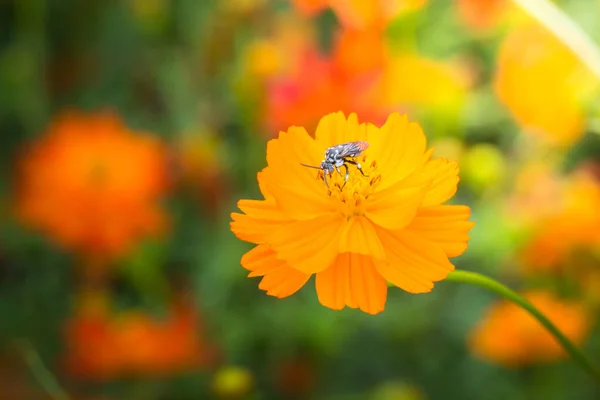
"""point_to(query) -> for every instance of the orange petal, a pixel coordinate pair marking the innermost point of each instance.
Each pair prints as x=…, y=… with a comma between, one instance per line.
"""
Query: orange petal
x=311, y=245
x=352, y=281
x=279, y=279
x=297, y=190
x=264, y=190
x=359, y=236
x=394, y=208
x=446, y=226
x=413, y=264
x=444, y=183
x=260, y=219
x=335, y=129
x=398, y=148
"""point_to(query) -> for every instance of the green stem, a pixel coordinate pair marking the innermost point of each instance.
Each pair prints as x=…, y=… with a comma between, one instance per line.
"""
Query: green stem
x=565, y=30
x=41, y=373
x=492, y=285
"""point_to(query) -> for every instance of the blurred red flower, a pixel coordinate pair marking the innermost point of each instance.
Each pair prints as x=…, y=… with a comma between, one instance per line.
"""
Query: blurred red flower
x=324, y=85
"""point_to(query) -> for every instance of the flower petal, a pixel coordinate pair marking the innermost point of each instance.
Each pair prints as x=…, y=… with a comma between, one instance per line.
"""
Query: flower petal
x=334, y=129
x=297, y=189
x=445, y=181
x=260, y=219
x=394, y=207
x=413, y=264
x=279, y=279
x=398, y=147
x=264, y=190
x=311, y=245
x=446, y=226
x=359, y=236
x=352, y=281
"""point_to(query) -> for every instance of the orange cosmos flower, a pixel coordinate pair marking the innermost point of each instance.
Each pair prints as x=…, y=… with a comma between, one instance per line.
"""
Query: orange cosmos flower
x=391, y=225
x=543, y=84
x=508, y=335
x=92, y=184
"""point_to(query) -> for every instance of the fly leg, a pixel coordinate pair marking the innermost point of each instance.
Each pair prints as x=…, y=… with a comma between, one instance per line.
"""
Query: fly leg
x=358, y=166
x=346, y=177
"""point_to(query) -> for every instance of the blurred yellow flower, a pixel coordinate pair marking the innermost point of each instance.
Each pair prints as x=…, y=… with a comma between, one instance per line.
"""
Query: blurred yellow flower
x=543, y=84
x=231, y=382
x=355, y=235
x=263, y=58
x=416, y=81
x=92, y=184
x=397, y=390
x=508, y=335
x=484, y=167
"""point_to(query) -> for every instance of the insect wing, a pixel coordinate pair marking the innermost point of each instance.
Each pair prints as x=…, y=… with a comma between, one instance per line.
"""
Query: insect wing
x=352, y=149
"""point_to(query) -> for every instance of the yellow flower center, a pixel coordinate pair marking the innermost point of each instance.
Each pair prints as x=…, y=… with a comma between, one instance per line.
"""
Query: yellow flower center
x=353, y=192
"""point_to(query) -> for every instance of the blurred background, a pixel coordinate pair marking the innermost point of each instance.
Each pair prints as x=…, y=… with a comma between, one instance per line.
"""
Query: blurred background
x=130, y=128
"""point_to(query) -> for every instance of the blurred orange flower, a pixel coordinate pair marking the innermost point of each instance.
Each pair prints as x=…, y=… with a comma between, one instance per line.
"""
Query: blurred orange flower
x=573, y=225
x=92, y=184
x=537, y=194
x=480, y=15
x=360, y=51
x=390, y=225
x=310, y=7
x=360, y=14
x=543, y=84
x=101, y=345
x=508, y=335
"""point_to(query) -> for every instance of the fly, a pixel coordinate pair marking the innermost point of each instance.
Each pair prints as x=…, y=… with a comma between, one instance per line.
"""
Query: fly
x=340, y=156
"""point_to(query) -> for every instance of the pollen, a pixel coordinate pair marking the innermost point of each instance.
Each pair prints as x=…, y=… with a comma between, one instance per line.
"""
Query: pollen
x=353, y=192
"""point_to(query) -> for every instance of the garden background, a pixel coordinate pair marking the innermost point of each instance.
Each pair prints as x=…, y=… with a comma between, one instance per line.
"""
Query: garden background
x=129, y=129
